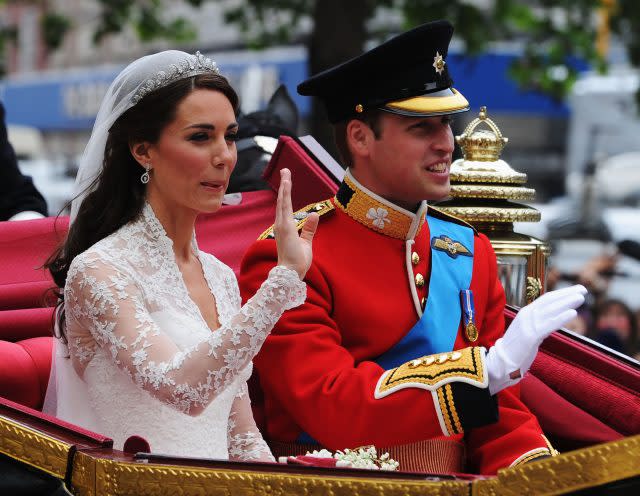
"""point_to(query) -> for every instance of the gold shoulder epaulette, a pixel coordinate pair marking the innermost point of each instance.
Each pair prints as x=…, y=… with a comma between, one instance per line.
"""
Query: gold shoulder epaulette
x=321, y=208
x=439, y=214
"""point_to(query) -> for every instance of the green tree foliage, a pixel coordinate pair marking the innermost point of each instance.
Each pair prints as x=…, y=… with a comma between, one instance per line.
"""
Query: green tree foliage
x=552, y=33
x=54, y=28
x=146, y=18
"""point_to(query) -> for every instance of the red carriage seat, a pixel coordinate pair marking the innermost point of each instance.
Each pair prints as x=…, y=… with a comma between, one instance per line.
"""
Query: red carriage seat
x=25, y=321
x=24, y=248
x=582, y=392
x=24, y=370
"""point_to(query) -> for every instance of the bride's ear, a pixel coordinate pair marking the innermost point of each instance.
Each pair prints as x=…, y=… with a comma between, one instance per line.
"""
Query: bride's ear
x=140, y=152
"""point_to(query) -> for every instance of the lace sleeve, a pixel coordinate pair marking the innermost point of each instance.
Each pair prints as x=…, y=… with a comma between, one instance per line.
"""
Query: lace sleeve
x=106, y=301
x=244, y=439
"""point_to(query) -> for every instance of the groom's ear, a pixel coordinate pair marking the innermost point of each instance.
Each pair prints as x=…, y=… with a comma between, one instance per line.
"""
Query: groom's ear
x=140, y=152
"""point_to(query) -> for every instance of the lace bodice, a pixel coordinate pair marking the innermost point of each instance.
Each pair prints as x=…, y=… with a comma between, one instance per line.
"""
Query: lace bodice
x=135, y=335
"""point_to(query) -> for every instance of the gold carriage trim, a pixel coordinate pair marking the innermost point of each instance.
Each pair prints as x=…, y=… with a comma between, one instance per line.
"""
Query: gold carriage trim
x=96, y=473
x=34, y=448
x=94, y=476
x=300, y=216
x=373, y=211
x=434, y=371
x=569, y=472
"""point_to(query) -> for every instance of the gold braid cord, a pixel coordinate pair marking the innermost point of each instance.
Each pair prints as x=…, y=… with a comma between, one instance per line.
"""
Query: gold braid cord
x=300, y=216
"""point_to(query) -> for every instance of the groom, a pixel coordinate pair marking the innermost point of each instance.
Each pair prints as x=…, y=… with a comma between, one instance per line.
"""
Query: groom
x=402, y=300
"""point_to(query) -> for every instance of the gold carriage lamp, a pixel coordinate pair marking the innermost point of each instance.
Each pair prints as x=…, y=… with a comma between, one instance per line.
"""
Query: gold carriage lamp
x=483, y=190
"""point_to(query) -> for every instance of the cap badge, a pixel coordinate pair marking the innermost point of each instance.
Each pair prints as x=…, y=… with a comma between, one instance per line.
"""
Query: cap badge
x=438, y=63
x=359, y=108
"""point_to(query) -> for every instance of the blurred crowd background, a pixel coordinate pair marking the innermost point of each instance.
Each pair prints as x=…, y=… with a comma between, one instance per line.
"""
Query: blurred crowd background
x=559, y=78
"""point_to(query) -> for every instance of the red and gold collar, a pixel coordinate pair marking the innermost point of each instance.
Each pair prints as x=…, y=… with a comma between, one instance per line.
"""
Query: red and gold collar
x=377, y=213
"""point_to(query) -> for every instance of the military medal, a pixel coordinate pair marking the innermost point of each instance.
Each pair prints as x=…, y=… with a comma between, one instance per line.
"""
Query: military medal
x=468, y=315
x=471, y=331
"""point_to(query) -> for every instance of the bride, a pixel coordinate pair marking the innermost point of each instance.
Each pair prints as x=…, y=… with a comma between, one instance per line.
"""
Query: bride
x=152, y=338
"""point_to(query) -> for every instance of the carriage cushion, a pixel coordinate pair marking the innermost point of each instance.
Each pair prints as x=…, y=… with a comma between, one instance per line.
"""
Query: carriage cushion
x=600, y=396
x=24, y=248
x=568, y=425
x=24, y=294
x=25, y=323
x=24, y=370
x=580, y=392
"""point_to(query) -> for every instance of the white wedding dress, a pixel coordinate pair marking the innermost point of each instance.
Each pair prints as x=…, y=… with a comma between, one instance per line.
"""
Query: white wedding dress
x=150, y=364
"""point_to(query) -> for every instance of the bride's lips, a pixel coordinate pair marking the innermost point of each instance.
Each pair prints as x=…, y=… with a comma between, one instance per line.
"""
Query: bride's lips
x=213, y=186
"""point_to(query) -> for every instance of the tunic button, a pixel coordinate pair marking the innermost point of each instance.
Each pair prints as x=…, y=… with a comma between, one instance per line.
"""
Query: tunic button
x=419, y=280
x=422, y=302
x=415, y=258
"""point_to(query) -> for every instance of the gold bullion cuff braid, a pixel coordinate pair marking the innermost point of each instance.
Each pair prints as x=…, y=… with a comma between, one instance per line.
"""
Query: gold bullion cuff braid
x=529, y=456
x=537, y=453
x=300, y=216
x=458, y=384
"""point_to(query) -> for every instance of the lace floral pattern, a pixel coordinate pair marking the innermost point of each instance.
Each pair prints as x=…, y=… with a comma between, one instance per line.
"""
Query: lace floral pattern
x=249, y=446
x=244, y=439
x=125, y=299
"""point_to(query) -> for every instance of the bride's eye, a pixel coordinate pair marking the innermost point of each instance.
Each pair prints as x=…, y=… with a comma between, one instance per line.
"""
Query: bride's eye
x=231, y=137
x=199, y=137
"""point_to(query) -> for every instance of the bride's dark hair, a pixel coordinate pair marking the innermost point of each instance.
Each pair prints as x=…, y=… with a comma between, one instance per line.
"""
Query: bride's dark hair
x=117, y=195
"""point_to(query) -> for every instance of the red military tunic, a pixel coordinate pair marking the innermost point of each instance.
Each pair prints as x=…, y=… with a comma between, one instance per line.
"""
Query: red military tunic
x=317, y=371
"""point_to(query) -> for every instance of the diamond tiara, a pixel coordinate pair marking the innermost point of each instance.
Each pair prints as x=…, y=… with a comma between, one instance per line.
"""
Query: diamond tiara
x=195, y=64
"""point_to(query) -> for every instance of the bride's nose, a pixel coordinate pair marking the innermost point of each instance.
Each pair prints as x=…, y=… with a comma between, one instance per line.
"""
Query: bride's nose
x=224, y=155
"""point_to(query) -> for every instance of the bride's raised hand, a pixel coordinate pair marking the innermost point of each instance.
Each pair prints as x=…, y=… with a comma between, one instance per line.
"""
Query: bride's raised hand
x=294, y=251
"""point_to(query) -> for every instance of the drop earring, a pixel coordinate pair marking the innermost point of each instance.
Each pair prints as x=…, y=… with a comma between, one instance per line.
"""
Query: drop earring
x=144, y=178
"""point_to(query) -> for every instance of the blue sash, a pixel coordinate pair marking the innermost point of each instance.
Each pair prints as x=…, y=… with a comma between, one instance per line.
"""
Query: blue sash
x=451, y=272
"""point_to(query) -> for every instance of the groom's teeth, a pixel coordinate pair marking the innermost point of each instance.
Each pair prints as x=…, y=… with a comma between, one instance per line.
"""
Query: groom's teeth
x=438, y=168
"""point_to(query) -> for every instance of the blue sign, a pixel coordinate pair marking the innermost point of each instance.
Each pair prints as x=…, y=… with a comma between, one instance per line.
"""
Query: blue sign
x=65, y=102
x=70, y=101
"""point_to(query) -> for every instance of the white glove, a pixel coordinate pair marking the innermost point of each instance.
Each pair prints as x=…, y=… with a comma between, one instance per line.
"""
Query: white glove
x=511, y=356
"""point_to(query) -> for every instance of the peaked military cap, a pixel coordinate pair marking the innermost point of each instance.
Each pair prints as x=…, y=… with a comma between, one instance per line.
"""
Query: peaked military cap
x=407, y=75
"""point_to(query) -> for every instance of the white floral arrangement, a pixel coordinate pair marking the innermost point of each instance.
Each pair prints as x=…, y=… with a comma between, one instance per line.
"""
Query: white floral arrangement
x=365, y=457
